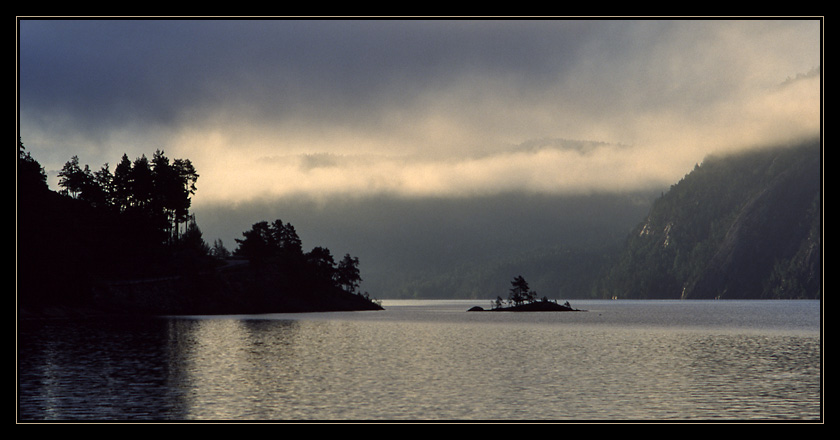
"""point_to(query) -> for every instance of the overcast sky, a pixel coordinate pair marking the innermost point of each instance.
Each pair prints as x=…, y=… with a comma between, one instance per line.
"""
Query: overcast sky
x=278, y=107
x=274, y=109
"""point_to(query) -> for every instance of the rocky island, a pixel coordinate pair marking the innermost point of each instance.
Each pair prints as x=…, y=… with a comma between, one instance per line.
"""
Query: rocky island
x=536, y=306
x=523, y=299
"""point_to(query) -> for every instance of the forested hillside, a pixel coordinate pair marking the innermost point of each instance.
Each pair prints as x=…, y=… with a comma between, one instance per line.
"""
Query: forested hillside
x=740, y=226
x=744, y=226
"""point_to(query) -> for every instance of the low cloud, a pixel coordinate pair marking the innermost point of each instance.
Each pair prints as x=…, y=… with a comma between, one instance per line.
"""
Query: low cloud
x=282, y=108
x=548, y=167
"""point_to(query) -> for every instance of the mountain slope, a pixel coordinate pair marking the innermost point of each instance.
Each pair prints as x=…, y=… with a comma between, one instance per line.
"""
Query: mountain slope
x=743, y=226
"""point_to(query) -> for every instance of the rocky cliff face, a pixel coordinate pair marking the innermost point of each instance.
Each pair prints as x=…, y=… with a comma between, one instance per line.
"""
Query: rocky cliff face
x=774, y=227
x=746, y=226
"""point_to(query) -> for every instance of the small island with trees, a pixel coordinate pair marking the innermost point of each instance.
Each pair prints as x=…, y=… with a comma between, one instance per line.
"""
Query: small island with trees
x=522, y=299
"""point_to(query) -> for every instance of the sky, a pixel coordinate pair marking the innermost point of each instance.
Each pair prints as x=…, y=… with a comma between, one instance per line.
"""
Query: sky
x=282, y=112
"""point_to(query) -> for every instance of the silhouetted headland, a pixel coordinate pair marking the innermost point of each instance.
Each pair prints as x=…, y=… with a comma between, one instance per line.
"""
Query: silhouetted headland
x=125, y=243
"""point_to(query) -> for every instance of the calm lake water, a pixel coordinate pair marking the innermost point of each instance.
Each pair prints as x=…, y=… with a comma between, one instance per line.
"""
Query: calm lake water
x=432, y=360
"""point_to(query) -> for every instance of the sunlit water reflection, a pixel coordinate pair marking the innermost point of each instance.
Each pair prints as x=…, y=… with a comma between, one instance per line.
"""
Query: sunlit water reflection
x=427, y=360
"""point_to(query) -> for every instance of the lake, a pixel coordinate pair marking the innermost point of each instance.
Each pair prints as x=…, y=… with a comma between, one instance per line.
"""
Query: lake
x=433, y=361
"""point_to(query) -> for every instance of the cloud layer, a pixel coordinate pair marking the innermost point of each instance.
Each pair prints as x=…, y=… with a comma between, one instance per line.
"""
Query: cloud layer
x=419, y=145
x=442, y=108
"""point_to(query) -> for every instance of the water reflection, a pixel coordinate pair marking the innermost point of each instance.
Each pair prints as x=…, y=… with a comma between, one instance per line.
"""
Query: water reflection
x=228, y=363
x=95, y=370
x=425, y=367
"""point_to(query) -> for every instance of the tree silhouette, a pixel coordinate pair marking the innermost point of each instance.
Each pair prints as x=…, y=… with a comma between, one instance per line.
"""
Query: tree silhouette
x=173, y=185
x=257, y=243
x=286, y=239
x=80, y=183
x=520, y=292
x=322, y=263
x=31, y=175
x=179, y=186
x=498, y=303
x=142, y=184
x=219, y=250
x=121, y=184
x=348, y=273
x=276, y=248
x=71, y=178
x=102, y=187
x=271, y=241
x=156, y=190
x=190, y=249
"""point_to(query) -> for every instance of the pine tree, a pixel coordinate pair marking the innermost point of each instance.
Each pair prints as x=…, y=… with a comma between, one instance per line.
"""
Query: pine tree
x=520, y=292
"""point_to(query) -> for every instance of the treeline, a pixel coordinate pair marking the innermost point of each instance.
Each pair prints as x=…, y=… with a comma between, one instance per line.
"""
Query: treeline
x=159, y=189
x=133, y=227
x=102, y=227
x=276, y=249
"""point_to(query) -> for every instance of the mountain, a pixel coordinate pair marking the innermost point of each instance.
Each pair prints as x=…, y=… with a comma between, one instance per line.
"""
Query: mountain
x=740, y=226
x=745, y=225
